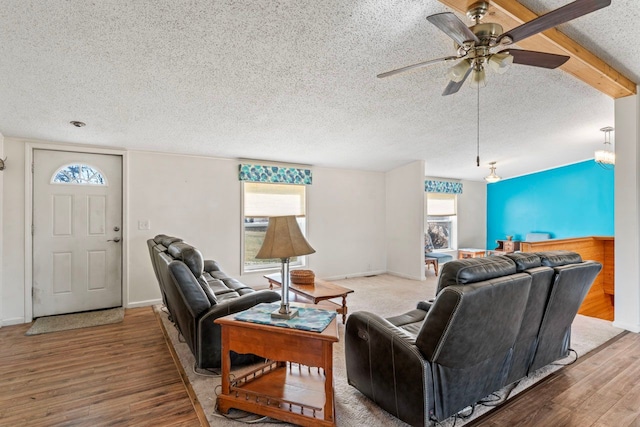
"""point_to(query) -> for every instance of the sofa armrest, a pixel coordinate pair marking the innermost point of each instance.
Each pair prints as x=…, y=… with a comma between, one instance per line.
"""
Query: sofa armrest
x=209, y=336
x=426, y=304
x=385, y=365
x=243, y=302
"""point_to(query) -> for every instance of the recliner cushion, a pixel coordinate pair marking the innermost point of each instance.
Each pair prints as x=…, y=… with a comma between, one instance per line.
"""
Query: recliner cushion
x=558, y=258
x=472, y=270
x=165, y=240
x=524, y=261
x=234, y=284
x=189, y=255
x=207, y=290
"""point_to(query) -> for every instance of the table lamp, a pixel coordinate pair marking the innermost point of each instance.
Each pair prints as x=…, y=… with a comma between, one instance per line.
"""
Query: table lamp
x=284, y=240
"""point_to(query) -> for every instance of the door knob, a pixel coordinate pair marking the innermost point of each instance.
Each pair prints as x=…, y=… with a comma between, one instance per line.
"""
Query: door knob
x=117, y=239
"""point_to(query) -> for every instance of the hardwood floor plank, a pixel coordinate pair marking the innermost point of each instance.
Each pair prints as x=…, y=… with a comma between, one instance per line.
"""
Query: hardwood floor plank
x=124, y=374
x=625, y=410
x=600, y=389
x=119, y=374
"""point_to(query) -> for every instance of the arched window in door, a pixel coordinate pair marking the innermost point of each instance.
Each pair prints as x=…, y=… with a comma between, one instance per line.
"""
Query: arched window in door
x=78, y=174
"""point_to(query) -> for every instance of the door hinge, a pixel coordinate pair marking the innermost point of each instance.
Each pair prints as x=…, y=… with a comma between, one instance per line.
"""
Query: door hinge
x=32, y=167
x=33, y=229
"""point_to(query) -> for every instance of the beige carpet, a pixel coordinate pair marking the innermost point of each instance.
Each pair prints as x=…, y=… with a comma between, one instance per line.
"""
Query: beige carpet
x=387, y=296
x=65, y=322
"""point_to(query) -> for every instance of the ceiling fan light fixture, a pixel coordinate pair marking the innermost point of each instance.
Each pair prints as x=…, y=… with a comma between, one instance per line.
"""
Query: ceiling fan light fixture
x=458, y=71
x=500, y=62
x=479, y=77
x=492, y=177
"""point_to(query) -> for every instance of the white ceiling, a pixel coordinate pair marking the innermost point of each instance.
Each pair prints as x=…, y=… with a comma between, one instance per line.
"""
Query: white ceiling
x=294, y=81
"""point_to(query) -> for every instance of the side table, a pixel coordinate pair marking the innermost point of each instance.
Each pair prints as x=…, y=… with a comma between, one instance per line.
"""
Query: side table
x=296, y=386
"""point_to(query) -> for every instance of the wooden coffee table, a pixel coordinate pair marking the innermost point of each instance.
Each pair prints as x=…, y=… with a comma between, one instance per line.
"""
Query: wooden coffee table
x=321, y=290
x=464, y=253
x=300, y=393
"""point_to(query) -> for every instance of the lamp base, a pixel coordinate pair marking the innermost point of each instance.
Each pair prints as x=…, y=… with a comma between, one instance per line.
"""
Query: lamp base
x=284, y=312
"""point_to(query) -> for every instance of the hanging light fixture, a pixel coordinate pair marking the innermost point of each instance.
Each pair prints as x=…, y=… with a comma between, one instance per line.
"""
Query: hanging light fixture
x=606, y=157
x=492, y=177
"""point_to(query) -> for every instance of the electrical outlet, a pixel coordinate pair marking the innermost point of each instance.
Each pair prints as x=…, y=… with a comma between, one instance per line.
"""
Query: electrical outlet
x=144, y=224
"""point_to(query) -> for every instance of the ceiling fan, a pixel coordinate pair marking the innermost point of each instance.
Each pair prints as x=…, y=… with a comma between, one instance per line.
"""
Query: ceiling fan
x=485, y=44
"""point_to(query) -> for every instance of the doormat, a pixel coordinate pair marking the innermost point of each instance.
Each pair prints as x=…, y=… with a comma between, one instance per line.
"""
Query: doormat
x=65, y=322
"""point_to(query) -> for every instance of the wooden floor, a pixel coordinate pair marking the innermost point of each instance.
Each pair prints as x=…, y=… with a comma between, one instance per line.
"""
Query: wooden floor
x=116, y=375
x=123, y=375
x=601, y=389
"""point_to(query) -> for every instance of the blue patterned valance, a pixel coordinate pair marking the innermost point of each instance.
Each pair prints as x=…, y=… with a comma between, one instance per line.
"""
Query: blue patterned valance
x=274, y=174
x=431, y=186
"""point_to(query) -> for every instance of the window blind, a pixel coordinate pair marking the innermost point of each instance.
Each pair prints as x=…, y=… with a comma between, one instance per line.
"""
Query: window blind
x=264, y=200
x=441, y=204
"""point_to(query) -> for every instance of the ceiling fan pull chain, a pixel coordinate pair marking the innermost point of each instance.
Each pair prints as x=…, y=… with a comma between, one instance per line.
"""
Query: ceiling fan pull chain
x=478, y=131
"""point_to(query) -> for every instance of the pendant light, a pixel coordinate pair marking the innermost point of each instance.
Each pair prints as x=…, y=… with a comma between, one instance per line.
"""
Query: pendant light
x=492, y=177
x=606, y=157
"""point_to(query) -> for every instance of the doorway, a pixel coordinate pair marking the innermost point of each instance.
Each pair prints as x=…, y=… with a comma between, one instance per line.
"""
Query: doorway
x=77, y=232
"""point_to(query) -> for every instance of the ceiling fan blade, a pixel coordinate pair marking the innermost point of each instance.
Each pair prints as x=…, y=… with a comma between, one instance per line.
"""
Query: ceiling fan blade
x=453, y=87
x=418, y=65
x=453, y=27
x=556, y=17
x=536, y=59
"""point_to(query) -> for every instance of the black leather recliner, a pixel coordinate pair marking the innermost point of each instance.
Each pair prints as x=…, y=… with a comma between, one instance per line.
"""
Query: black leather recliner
x=428, y=365
x=196, y=292
x=571, y=282
x=478, y=335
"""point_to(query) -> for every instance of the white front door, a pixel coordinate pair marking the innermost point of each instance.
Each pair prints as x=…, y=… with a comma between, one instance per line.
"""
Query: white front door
x=77, y=231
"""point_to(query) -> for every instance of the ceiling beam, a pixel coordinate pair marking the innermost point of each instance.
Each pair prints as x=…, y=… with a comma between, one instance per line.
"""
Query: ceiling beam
x=583, y=64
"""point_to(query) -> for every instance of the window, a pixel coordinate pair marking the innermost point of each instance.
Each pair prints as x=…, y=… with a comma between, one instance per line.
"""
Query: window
x=262, y=200
x=441, y=220
x=78, y=174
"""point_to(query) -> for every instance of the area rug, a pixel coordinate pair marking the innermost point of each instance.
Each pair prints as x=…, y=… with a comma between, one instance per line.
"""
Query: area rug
x=387, y=296
x=65, y=322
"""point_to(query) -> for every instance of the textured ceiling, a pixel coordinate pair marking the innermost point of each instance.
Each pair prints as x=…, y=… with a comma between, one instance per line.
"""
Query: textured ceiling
x=294, y=81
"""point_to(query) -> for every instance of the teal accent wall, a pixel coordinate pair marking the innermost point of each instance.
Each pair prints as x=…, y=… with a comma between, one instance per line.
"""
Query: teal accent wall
x=570, y=201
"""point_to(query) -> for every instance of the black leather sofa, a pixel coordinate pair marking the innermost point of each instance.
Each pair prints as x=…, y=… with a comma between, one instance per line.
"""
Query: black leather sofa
x=494, y=320
x=196, y=292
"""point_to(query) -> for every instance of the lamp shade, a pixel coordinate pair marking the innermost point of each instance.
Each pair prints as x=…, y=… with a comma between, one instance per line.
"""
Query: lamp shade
x=283, y=239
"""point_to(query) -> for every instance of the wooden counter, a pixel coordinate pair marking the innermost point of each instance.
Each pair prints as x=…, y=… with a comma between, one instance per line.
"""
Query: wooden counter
x=599, y=300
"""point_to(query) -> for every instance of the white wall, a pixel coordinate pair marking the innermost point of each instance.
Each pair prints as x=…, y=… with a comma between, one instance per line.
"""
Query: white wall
x=13, y=233
x=472, y=215
x=346, y=223
x=627, y=213
x=191, y=197
x=1, y=224
x=405, y=221
x=198, y=199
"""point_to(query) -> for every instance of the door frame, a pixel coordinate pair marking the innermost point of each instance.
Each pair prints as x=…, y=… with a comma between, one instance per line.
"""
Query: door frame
x=28, y=215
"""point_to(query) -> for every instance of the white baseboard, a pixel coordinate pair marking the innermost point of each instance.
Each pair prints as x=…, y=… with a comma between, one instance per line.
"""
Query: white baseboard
x=627, y=326
x=352, y=275
x=405, y=276
x=13, y=321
